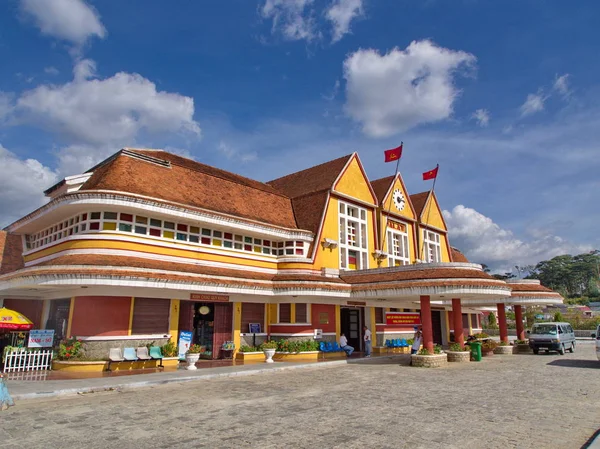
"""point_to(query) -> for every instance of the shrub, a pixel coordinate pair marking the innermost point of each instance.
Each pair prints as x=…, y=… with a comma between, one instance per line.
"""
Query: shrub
x=297, y=346
x=521, y=342
x=457, y=348
x=195, y=349
x=424, y=351
x=492, y=323
x=246, y=348
x=69, y=349
x=437, y=349
x=268, y=345
x=558, y=317
x=410, y=341
x=504, y=343
x=481, y=335
x=169, y=349
x=489, y=345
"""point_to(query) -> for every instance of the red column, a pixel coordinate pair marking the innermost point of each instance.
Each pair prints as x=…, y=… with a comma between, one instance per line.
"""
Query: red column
x=502, y=322
x=427, y=326
x=459, y=336
x=519, y=320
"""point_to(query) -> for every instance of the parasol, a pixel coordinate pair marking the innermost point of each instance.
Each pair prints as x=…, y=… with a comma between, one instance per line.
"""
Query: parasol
x=11, y=320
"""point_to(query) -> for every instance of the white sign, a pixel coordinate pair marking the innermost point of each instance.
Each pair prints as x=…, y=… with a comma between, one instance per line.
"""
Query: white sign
x=318, y=334
x=40, y=338
x=185, y=340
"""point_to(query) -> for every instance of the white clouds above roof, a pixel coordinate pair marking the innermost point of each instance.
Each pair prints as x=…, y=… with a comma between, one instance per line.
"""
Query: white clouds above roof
x=534, y=103
x=401, y=89
x=482, y=116
x=71, y=20
x=292, y=18
x=341, y=13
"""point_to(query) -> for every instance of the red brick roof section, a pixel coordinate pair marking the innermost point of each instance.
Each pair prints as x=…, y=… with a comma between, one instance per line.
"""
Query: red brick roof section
x=381, y=187
x=418, y=201
x=457, y=256
x=308, y=210
x=315, y=179
x=11, y=252
x=529, y=288
x=190, y=183
x=415, y=275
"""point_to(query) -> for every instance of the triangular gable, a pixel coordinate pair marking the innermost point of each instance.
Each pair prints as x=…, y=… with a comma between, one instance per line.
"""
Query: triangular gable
x=431, y=214
x=353, y=182
x=396, y=195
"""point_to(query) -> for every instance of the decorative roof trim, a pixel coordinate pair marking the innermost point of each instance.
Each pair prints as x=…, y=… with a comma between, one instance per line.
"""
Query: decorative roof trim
x=364, y=173
x=414, y=267
x=110, y=198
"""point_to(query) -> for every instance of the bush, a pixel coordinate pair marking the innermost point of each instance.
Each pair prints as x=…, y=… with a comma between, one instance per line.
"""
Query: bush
x=195, y=349
x=489, y=345
x=457, y=348
x=521, y=342
x=169, y=349
x=481, y=335
x=69, y=349
x=424, y=351
x=558, y=317
x=410, y=341
x=268, y=345
x=492, y=323
x=246, y=348
x=437, y=349
x=297, y=346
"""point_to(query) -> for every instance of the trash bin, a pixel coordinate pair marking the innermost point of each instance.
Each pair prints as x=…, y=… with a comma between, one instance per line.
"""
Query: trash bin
x=475, y=351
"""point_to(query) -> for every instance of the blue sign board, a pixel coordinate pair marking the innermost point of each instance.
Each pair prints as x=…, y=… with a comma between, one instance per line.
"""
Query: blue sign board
x=40, y=338
x=254, y=328
x=185, y=340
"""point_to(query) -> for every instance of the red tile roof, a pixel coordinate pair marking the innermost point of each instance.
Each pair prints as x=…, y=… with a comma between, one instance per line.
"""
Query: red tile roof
x=421, y=274
x=381, y=187
x=11, y=252
x=314, y=179
x=308, y=210
x=190, y=183
x=457, y=256
x=418, y=201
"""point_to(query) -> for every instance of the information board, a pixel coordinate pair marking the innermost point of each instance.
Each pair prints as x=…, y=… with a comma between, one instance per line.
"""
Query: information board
x=402, y=318
x=39, y=338
x=254, y=328
x=185, y=340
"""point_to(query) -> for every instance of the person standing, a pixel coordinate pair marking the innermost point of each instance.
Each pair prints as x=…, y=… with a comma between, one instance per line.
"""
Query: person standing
x=416, y=341
x=345, y=346
x=367, y=338
x=5, y=399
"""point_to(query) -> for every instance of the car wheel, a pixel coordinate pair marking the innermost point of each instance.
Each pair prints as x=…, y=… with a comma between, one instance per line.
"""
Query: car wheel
x=561, y=350
x=572, y=350
x=536, y=351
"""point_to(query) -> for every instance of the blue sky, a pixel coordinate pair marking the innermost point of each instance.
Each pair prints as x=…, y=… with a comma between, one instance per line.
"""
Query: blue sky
x=503, y=95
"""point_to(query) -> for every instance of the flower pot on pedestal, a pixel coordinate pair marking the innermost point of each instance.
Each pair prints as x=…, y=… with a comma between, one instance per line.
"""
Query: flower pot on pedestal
x=191, y=360
x=269, y=353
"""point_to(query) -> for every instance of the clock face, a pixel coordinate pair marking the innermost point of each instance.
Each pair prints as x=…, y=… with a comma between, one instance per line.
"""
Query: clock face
x=399, y=199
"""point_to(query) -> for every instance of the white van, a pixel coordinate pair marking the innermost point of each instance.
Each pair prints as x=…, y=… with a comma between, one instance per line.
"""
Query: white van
x=597, y=337
x=552, y=337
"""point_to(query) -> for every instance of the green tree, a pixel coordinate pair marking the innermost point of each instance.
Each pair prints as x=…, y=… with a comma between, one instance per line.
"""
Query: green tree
x=492, y=323
x=558, y=317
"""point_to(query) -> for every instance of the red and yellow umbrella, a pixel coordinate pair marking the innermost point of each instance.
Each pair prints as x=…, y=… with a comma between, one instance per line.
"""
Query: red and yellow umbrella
x=11, y=320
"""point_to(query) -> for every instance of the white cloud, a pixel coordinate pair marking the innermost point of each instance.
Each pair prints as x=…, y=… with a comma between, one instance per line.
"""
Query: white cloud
x=71, y=20
x=22, y=183
x=6, y=105
x=561, y=85
x=482, y=116
x=235, y=155
x=96, y=114
x=51, y=70
x=292, y=18
x=401, y=89
x=534, y=103
x=341, y=13
x=483, y=241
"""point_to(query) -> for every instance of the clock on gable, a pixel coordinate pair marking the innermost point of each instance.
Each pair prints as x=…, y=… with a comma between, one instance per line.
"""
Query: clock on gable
x=399, y=200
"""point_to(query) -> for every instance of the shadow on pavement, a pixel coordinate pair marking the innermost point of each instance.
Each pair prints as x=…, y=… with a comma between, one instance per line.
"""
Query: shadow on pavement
x=570, y=363
x=403, y=360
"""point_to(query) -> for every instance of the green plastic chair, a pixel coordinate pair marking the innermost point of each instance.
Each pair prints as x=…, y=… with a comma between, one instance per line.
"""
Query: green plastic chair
x=156, y=354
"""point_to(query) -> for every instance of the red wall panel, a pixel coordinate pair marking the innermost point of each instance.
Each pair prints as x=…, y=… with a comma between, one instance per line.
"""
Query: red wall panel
x=31, y=308
x=101, y=315
x=316, y=309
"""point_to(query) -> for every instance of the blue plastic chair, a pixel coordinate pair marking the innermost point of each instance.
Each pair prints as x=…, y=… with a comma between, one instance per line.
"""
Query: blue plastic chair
x=404, y=343
x=329, y=347
x=336, y=347
x=397, y=343
x=129, y=354
x=388, y=344
x=322, y=347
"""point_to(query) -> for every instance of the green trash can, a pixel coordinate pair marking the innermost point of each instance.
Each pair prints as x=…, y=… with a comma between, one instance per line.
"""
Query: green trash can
x=475, y=351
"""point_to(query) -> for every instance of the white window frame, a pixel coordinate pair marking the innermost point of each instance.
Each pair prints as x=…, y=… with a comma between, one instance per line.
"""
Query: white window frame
x=403, y=259
x=350, y=213
x=432, y=249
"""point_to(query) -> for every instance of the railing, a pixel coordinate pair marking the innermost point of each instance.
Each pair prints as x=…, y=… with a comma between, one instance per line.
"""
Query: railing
x=22, y=359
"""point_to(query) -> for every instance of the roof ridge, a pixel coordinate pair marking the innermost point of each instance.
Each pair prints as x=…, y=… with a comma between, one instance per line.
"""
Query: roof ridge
x=348, y=156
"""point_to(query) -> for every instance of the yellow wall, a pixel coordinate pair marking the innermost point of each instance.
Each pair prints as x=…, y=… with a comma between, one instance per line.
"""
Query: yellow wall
x=391, y=206
x=174, y=320
x=328, y=258
x=433, y=215
x=237, y=325
x=354, y=184
x=70, y=321
x=131, y=316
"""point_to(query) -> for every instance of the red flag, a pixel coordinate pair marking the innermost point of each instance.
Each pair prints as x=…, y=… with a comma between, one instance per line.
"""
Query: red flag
x=431, y=174
x=394, y=154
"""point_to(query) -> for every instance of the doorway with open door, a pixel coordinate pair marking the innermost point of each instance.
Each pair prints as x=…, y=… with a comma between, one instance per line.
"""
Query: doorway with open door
x=351, y=320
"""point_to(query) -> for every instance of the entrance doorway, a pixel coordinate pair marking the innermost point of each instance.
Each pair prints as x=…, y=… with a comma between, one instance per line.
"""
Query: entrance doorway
x=350, y=325
x=58, y=318
x=436, y=324
x=211, y=324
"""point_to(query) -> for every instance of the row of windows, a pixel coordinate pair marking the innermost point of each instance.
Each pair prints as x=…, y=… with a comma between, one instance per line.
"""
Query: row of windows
x=164, y=229
x=285, y=313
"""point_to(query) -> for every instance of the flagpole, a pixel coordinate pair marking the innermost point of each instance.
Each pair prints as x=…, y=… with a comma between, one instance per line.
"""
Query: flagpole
x=429, y=209
x=387, y=217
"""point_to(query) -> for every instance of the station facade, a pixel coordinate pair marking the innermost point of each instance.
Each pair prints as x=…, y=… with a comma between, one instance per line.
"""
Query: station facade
x=148, y=243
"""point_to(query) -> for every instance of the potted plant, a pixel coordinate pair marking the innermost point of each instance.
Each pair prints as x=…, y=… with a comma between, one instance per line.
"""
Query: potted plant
x=192, y=355
x=269, y=348
x=456, y=353
x=487, y=347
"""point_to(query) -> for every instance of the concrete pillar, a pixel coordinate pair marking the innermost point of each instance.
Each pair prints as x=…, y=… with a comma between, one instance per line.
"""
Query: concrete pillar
x=519, y=320
x=459, y=336
x=502, y=322
x=426, y=323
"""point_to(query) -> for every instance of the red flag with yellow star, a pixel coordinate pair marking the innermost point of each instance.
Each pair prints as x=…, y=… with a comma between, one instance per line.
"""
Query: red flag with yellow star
x=394, y=154
x=431, y=174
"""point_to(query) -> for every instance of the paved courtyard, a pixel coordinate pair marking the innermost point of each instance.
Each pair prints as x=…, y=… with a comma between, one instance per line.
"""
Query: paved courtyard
x=524, y=401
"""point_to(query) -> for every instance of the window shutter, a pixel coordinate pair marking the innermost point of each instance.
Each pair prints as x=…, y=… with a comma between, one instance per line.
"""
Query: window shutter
x=301, y=313
x=285, y=313
x=150, y=316
x=252, y=313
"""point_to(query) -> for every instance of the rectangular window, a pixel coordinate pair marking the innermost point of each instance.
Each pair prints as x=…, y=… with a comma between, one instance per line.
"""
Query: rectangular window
x=353, y=237
x=150, y=316
x=431, y=247
x=302, y=313
x=379, y=315
x=285, y=313
x=397, y=248
x=252, y=313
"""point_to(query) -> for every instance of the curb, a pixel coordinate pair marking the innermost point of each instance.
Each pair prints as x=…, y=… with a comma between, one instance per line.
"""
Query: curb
x=148, y=383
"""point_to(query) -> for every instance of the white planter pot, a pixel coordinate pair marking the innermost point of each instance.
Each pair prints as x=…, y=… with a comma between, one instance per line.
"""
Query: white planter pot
x=269, y=353
x=192, y=359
